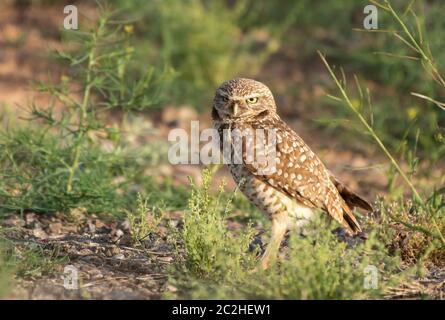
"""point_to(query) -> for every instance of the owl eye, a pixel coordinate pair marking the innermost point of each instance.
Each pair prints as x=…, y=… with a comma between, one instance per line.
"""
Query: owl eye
x=251, y=100
x=225, y=99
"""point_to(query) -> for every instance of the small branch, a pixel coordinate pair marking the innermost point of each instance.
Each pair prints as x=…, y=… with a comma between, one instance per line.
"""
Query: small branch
x=437, y=103
x=83, y=113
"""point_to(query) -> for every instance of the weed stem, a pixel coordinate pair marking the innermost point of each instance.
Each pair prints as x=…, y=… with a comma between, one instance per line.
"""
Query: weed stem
x=379, y=142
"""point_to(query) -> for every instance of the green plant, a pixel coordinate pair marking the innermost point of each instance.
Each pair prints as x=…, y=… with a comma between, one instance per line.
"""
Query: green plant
x=27, y=260
x=422, y=49
x=217, y=265
x=208, y=249
x=102, y=74
x=388, y=63
x=34, y=176
x=412, y=229
x=144, y=221
x=63, y=164
x=33, y=261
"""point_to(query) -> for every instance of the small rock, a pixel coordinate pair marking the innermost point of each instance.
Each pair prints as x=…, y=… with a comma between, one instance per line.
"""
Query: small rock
x=55, y=228
x=95, y=274
x=256, y=244
x=39, y=233
x=171, y=288
x=115, y=250
x=108, y=253
x=30, y=218
x=13, y=221
x=91, y=227
x=99, y=223
x=116, y=235
x=119, y=256
x=125, y=225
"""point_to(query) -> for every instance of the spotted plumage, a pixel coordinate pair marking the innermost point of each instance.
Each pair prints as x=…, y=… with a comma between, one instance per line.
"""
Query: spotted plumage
x=297, y=183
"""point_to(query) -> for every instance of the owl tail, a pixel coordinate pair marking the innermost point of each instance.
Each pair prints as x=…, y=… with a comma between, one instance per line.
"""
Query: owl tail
x=350, y=221
x=352, y=199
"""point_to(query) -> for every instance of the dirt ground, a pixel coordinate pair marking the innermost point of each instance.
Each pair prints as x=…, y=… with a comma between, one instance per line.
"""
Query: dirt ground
x=108, y=265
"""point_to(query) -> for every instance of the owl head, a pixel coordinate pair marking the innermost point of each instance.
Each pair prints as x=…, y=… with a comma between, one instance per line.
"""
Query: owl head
x=241, y=99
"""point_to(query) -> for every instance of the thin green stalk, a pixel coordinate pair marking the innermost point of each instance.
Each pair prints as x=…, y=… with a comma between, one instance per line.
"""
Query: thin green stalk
x=82, y=117
x=417, y=47
x=379, y=141
x=83, y=113
x=368, y=127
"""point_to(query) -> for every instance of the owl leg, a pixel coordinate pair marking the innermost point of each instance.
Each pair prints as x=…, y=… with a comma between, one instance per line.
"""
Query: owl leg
x=279, y=228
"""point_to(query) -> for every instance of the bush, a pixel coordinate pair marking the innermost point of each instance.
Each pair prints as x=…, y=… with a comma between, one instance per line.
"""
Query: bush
x=63, y=164
x=34, y=175
x=210, y=250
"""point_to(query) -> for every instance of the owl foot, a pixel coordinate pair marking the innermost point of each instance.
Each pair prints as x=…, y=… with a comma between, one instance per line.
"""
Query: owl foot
x=279, y=228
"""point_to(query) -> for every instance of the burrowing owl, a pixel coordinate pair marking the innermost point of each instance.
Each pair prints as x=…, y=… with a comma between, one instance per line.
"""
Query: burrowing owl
x=300, y=181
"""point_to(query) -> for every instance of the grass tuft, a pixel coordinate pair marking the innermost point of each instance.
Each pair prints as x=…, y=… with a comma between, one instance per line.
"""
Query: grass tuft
x=144, y=221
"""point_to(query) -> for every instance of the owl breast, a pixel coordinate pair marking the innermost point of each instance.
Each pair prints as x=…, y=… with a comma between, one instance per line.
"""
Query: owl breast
x=269, y=200
x=261, y=194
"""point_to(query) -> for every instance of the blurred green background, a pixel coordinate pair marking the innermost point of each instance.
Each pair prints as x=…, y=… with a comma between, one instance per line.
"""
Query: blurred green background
x=202, y=43
x=206, y=42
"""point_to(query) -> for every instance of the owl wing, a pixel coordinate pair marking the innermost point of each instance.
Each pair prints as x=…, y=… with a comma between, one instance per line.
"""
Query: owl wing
x=299, y=173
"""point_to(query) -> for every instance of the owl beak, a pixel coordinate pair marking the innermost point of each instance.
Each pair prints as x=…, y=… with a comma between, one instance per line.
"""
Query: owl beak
x=235, y=109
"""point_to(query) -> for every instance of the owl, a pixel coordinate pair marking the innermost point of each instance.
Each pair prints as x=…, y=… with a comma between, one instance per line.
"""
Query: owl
x=297, y=183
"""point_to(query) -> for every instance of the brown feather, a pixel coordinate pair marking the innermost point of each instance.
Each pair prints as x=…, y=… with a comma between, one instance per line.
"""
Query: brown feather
x=352, y=199
x=350, y=220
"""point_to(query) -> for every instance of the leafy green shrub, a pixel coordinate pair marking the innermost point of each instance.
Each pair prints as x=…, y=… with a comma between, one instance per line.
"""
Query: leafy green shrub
x=63, y=164
x=207, y=250
x=34, y=175
x=210, y=250
x=144, y=220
